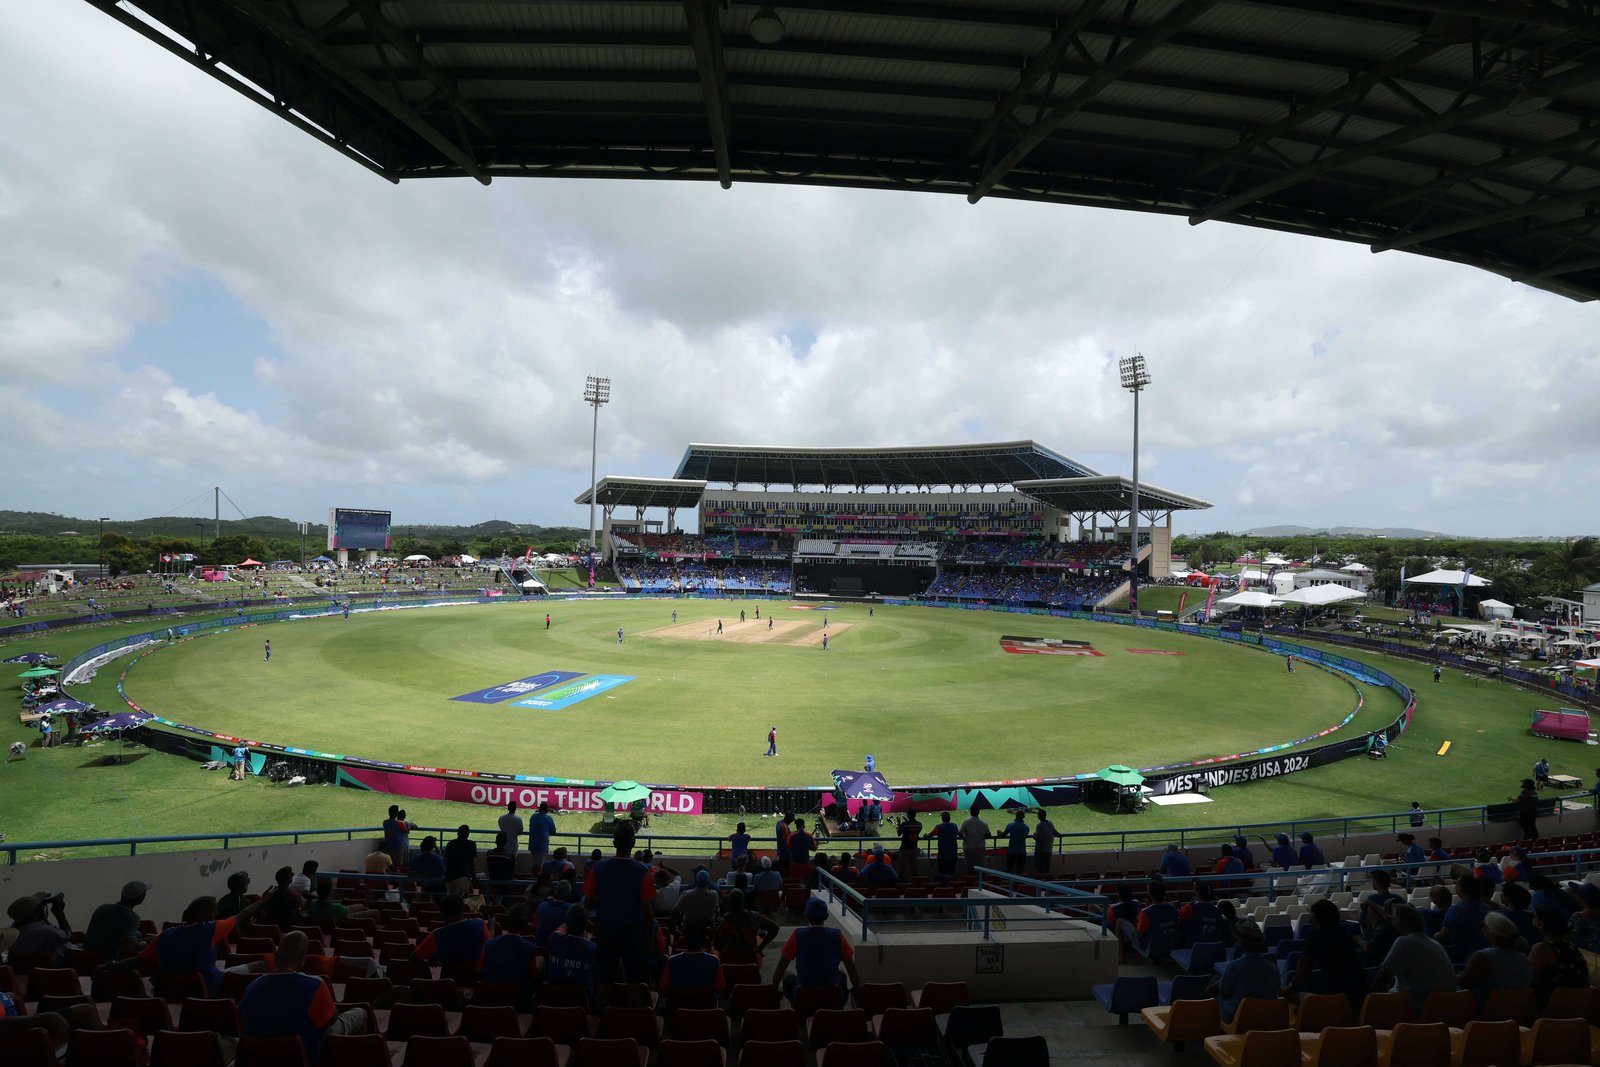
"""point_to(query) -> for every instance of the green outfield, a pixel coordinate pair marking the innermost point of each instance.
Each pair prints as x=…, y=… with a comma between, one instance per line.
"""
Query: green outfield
x=929, y=692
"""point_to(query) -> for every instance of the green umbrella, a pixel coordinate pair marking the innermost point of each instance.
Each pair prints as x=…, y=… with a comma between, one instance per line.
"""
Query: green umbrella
x=1120, y=775
x=624, y=792
x=38, y=672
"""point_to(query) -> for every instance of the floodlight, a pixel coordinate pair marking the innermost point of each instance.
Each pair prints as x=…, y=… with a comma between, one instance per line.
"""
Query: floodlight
x=766, y=27
x=1134, y=374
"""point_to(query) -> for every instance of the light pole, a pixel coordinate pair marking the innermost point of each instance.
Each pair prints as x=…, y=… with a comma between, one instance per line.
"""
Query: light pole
x=1134, y=378
x=596, y=391
x=100, y=539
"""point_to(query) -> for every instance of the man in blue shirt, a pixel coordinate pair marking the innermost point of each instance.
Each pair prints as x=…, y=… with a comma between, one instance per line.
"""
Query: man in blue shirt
x=947, y=842
x=1248, y=974
x=1310, y=855
x=511, y=958
x=1283, y=855
x=1016, y=835
x=1174, y=864
x=738, y=843
x=287, y=1002
x=458, y=940
x=879, y=871
x=801, y=845
x=1412, y=854
x=817, y=951
x=1241, y=849
x=540, y=826
x=1462, y=930
x=621, y=891
x=427, y=866
x=571, y=958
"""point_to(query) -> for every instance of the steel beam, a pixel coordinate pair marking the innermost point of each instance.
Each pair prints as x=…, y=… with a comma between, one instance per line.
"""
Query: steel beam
x=374, y=20
x=309, y=45
x=1491, y=218
x=1556, y=270
x=705, y=33
x=1047, y=61
x=1587, y=139
x=1151, y=38
x=1491, y=105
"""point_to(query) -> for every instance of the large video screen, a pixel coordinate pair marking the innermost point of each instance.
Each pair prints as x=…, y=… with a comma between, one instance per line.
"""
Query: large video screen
x=353, y=528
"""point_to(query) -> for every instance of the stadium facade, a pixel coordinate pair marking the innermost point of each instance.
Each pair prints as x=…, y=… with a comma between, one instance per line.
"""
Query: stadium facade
x=1008, y=521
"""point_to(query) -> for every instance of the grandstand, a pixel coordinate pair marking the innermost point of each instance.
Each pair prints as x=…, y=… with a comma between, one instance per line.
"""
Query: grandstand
x=1010, y=522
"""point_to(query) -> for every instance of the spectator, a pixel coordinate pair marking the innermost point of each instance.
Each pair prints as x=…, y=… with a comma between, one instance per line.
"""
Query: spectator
x=740, y=935
x=1374, y=906
x=500, y=866
x=1331, y=960
x=1228, y=863
x=846, y=870
x=1310, y=854
x=947, y=839
x=557, y=867
x=191, y=948
x=1546, y=891
x=1462, y=929
x=692, y=969
x=879, y=871
x=510, y=830
x=780, y=838
x=908, y=860
x=1584, y=926
x=1416, y=816
x=396, y=835
x=114, y=928
x=1501, y=964
x=302, y=882
x=1411, y=854
x=282, y=908
x=378, y=861
x=1433, y=915
x=1415, y=963
x=427, y=866
x=552, y=912
x=1514, y=902
x=1554, y=962
x=540, y=826
x=1157, y=923
x=1016, y=833
x=768, y=880
x=1119, y=917
x=974, y=840
x=511, y=958
x=1513, y=864
x=1248, y=974
x=460, y=862
x=571, y=957
x=738, y=844
x=230, y=903
x=1174, y=864
x=286, y=1002
x=458, y=939
x=801, y=846
x=817, y=952
x=36, y=935
x=325, y=907
x=620, y=891
x=1283, y=853
x=698, y=906
x=1044, y=841
x=1201, y=919
x=669, y=889
x=1487, y=871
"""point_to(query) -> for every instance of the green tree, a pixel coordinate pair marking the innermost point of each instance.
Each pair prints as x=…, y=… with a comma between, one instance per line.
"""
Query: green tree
x=129, y=557
x=1576, y=561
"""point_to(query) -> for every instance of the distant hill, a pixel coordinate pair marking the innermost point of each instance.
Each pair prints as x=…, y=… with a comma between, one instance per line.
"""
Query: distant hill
x=1341, y=531
x=48, y=524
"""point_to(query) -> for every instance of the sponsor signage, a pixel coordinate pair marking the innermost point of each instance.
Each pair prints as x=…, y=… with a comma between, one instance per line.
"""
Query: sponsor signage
x=563, y=798
x=1047, y=646
x=520, y=687
x=1154, y=652
x=564, y=696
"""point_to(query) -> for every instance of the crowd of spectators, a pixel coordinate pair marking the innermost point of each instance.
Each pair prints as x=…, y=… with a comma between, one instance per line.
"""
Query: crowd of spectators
x=1017, y=551
x=696, y=576
x=1058, y=589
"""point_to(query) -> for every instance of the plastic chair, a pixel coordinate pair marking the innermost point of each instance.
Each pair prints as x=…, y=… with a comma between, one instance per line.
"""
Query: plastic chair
x=910, y=1026
x=1556, y=1041
x=769, y=1025
x=563, y=996
x=701, y=1024
x=416, y=1020
x=854, y=1054
x=1453, y=1007
x=234, y=983
x=28, y=1047
x=372, y=990
x=746, y=997
x=1128, y=996
x=1519, y=1005
x=968, y=1026
x=354, y=1050
x=186, y=1048
x=842, y=1025
x=1184, y=987
x=639, y=1024
x=674, y=1052
x=109, y=985
x=1487, y=1044
x=772, y=1054
x=498, y=994
x=481, y=1024
x=1418, y=1045
x=1345, y=1046
x=1016, y=1052
x=203, y=1013
x=1258, y=1048
x=563, y=1025
x=811, y=998
x=103, y=1048
x=441, y=991
x=52, y=982
x=450, y=1051
x=525, y=1052
x=611, y=1052
x=1382, y=1011
x=145, y=1015
x=737, y=974
x=179, y=987
x=1184, y=1020
x=875, y=998
x=1201, y=957
x=1572, y=1002
x=1259, y=1013
x=1318, y=1011
x=941, y=997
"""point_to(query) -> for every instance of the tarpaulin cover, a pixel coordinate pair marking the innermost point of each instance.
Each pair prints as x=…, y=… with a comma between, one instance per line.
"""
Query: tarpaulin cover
x=1566, y=725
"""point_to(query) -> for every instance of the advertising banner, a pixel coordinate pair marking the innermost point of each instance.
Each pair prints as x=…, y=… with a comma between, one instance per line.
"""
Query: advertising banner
x=564, y=798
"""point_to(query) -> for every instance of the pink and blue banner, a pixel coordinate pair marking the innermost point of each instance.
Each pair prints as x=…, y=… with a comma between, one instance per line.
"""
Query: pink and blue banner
x=520, y=687
x=498, y=795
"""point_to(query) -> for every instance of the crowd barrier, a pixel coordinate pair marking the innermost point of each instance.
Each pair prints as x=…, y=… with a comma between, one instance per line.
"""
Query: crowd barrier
x=490, y=788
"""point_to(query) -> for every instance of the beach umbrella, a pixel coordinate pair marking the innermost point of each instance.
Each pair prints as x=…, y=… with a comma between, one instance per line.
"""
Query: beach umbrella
x=1117, y=774
x=39, y=672
x=624, y=792
x=65, y=704
x=32, y=657
x=124, y=720
x=862, y=785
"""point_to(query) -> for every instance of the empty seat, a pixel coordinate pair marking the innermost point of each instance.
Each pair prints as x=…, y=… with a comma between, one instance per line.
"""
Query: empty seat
x=909, y=1026
x=1487, y=1044
x=1128, y=995
x=563, y=1025
x=203, y=1013
x=772, y=1054
x=875, y=998
x=769, y=1024
x=1453, y=1007
x=448, y=1051
x=1184, y=1020
x=854, y=1054
x=941, y=996
x=1552, y=1041
x=675, y=1052
x=1343, y=1046
x=1258, y=1048
x=1031, y=1051
x=145, y=1015
x=1518, y=1005
x=1573, y=1002
x=52, y=982
x=638, y=1024
x=701, y=1024
x=416, y=1020
x=103, y=1048
x=831, y=1025
x=481, y=1024
x=354, y=1050
x=186, y=1048
x=1318, y=1011
x=753, y=995
x=1383, y=1011
x=611, y=1052
x=1418, y=1045
x=1259, y=1013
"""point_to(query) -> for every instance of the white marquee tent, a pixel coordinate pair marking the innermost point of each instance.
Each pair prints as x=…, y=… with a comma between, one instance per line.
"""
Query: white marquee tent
x=1495, y=609
x=1317, y=596
x=1250, y=599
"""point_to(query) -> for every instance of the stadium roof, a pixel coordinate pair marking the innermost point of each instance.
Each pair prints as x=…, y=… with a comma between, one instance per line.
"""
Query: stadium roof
x=1460, y=129
x=988, y=464
x=1106, y=493
x=645, y=492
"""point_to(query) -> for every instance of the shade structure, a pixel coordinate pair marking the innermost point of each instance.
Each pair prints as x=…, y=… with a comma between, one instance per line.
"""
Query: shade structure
x=321, y=559
x=62, y=706
x=1317, y=596
x=1117, y=774
x=624, y=792
x=39, y=672
x=1250, y=598
x=1566, y=724
x=862, y=785
x=418, y=558
x=124, y=720
x=252, y=563
x=32, y=657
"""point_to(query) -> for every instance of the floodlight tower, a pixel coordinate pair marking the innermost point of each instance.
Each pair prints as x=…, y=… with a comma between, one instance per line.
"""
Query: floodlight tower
x=1134, y=378
x=596, y=391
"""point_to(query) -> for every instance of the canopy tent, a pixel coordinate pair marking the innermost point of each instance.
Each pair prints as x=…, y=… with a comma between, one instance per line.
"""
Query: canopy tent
x=533, y=583
x=39, y=672
x=252, y=563
x=124, y=720
x=1567, y=724
x=862, y=785
x=418, y=558
x=32, y=658
x=1495, y=609
x=321, y=559
x=1250, y=599
x=1118, y=774
x=625, y=792
x=1317, y=596
x=1355, y=567
x=1448, y=578
x=464, y=558
x=1275, y=561
x=1567, y=642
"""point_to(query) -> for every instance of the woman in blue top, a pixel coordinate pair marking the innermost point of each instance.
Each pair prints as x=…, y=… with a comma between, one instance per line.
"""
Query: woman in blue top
x=1502, y=964
x=1331, y=960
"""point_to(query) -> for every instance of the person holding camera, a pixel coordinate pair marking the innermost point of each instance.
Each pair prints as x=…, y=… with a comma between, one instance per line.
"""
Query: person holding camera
x=35, y=932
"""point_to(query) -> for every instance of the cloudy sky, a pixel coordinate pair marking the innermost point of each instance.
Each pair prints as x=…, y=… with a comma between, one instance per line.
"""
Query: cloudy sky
x=193, y=293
